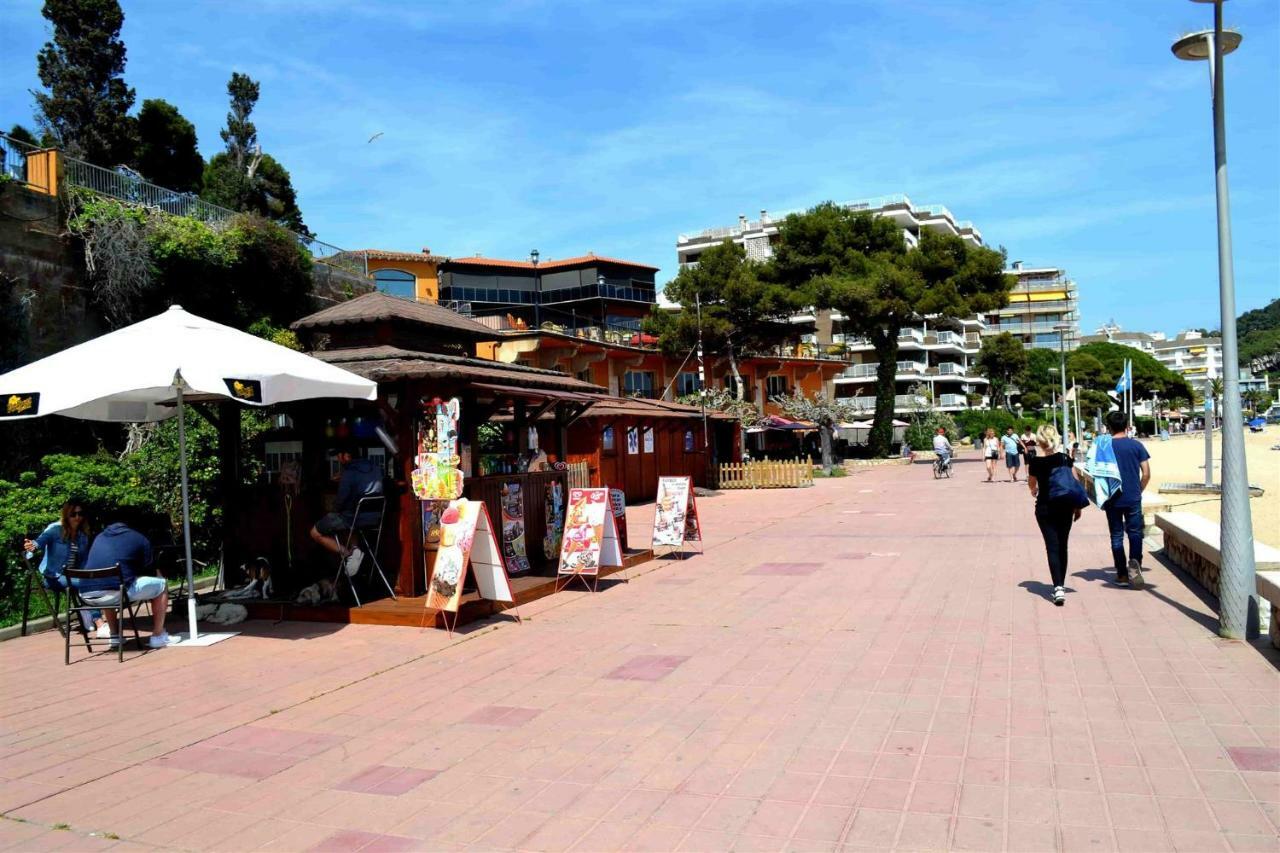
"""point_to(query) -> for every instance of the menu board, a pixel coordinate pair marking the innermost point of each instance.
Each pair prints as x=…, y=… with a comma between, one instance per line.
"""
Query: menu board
x=590, y=536
x=675, y=515
x=618, y=503
x=513, y=547
x=437, y=473
x=467, y=540
x=555, y=519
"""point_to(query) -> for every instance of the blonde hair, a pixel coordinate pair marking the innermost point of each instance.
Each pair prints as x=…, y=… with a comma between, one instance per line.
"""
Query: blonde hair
x=1047, y=436
x=990, y=433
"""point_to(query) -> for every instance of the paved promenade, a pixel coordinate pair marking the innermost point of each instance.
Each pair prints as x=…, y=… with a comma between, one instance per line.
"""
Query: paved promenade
x=869, y=664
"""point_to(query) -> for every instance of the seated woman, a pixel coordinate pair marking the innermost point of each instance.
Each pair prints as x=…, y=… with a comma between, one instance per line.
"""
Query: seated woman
x=63, y=544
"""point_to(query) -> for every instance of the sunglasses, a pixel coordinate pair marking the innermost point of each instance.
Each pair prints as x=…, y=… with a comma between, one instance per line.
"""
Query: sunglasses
x=75, y=514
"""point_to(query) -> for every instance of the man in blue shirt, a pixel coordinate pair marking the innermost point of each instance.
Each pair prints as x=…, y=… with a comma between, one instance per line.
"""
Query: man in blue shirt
x=1124, y=510
x=1012, y=450
x=120, y=544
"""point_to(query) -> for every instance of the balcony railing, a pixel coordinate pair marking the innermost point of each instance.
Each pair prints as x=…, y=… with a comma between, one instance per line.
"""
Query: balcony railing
x=914, y=367
x=860, y=371
x=950, y=368
x=911, y=335
x=949, y=400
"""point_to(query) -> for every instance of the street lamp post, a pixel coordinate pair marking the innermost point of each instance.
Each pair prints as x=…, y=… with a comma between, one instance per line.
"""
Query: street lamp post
x=1236, y=581
x=1061, y=329
x=537, y=290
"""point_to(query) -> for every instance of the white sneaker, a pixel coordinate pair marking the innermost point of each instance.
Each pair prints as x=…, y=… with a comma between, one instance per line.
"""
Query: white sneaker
x=353, y=562
x=103, y=632
x=159, y=641
x=1059, y=595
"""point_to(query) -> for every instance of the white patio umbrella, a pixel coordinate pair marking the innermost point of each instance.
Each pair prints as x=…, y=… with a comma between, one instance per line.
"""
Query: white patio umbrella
x=146, y=371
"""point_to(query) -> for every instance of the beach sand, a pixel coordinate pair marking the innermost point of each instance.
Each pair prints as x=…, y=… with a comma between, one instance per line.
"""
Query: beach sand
x=1181, y=460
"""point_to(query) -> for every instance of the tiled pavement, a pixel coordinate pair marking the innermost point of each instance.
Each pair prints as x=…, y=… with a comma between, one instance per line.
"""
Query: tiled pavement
x=868, y=664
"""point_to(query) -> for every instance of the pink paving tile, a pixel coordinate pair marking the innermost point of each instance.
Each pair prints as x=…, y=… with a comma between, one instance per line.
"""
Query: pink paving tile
x=648, y=667
x=1032, y=837
x=873, y=829
x=787, y=569
x=501, y=716
x=933, y=797
x=387, y=781
x=227, y=762
x=346, y=840
x=1256, y=758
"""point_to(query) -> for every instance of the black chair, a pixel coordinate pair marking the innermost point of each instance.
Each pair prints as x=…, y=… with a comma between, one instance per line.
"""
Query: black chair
x=114, y=598
x=38, y=582
x=359, y=535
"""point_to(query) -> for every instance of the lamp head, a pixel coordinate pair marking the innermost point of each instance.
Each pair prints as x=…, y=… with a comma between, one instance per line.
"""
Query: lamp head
x=533, y=257
x=1195, y=46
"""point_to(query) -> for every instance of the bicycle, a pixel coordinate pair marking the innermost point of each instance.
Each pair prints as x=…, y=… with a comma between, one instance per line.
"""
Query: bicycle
x=942, y=467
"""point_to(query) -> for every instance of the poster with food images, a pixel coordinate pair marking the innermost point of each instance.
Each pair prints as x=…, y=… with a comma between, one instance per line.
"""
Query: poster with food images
x=437, y=473
x=513, y=528
x=555, y=519
x=590, y=536
x=675, y=515
x=467, y=541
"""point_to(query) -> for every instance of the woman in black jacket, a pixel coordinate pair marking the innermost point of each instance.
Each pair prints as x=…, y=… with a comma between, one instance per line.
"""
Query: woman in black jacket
x=1055, y=519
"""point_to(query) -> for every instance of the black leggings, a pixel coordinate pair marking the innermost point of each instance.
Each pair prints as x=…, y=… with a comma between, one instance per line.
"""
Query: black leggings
x=1055, y=527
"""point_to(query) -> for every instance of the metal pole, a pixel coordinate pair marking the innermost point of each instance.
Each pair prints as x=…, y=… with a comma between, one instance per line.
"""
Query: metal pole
x=1236, y=583
x=1208, y=432
x=1062, y=354
x=702, y=378
x=193, y=629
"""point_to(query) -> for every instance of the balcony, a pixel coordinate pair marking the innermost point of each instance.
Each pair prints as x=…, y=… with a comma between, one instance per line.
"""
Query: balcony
x=909, y=401
x=951, y=368
x=860, y=371
x=953, y=401
x=915, y=335
x=912, y=368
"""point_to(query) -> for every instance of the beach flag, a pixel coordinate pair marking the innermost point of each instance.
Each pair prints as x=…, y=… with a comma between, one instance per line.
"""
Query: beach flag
x=1126, y=378
x=1071, y=394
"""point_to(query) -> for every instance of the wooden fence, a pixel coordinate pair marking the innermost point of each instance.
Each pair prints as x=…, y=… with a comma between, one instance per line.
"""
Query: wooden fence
x=791, y=474
x=579, y=475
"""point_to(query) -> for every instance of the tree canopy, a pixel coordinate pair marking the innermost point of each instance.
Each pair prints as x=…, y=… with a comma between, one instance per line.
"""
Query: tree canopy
x=743, y=311
x=167, y=152
x=860, y=265
x=1003, y=360
x=85, y=105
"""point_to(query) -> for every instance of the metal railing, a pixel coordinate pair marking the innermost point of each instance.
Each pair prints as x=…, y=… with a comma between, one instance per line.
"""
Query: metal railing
x=13, y=157
x=860, y=371
x=950, y=368
x=912, y=367
x=953, y=400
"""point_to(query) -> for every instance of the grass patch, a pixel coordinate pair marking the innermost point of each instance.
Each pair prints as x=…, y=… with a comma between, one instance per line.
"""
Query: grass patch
x=820, y=473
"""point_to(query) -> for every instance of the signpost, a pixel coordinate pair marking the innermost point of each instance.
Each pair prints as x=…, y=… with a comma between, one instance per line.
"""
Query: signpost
x=467, y=541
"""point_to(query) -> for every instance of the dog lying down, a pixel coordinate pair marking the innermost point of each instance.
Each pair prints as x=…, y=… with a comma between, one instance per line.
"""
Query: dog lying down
x=323, y=592
x=222, y=614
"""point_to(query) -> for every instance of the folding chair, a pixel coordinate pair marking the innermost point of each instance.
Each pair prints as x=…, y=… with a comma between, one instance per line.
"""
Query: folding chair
x=116, y=599
x=359, y=534
x=37, y=581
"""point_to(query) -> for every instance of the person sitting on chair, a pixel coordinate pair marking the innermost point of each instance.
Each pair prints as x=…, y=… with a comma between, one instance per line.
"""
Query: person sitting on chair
x=119, y=544
x=64, y=544
x=359, y=478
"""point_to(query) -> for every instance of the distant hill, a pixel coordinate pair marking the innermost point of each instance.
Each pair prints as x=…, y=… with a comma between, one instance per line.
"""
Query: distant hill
x=1259, y=332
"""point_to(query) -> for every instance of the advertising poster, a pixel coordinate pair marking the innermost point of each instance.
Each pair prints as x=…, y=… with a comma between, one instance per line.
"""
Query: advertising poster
x=670, y=510
x=555, y=519
x=648, y=439
x=633, y=441
x=437, y=473
x=618, y=503
x=590, y=537
x=688, y=441
x=467, y=540
x=513, y=547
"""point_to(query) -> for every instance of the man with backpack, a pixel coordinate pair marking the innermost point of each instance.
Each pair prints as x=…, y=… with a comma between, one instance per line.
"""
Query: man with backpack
x=1124, y=508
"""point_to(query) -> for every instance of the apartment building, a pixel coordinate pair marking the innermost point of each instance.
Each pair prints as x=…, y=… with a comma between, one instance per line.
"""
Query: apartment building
x=759, y=236
x=1110, y=333
x=936, y=368
x=1043, y=310
x=1196, y=357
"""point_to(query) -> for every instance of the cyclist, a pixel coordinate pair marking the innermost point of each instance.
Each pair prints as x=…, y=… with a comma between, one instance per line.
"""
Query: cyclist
x=942, y=448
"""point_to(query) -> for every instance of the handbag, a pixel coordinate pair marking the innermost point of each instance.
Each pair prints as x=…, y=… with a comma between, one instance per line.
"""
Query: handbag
x=1065, y=489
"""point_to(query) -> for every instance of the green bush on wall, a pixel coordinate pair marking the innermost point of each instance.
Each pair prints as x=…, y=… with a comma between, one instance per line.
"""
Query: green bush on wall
x=974, y=422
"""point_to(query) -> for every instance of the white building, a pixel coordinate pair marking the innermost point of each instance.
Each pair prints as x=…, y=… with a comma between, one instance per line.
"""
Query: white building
x=1043, y=301
x=758, y=236
x=1110, y=333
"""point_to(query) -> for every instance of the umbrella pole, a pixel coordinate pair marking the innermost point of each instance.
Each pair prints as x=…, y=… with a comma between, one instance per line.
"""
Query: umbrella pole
x=194, y=632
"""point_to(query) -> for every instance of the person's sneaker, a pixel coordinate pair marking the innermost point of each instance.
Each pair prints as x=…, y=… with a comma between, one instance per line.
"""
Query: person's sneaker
x=1122, y=579
x=353, y=562
x=1135, y=574
x=1059, y=595
x=103, y=632
x=159, y=641
x=114, y=645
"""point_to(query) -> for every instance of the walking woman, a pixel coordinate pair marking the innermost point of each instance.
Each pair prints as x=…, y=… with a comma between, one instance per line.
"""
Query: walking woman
x=1054, y=513
x=63, y=544
x=990, y=452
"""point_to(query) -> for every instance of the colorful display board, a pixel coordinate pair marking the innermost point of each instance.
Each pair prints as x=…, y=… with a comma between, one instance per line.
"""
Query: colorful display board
x=555, y=519
x=513, y=546
x=467, y=541
x=590, y=535
x=618, y=503
x=675, y=515
x=437, y=473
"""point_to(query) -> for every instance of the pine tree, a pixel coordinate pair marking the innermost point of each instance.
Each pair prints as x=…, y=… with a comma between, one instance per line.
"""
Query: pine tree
x=85, y=109
x=167, y=153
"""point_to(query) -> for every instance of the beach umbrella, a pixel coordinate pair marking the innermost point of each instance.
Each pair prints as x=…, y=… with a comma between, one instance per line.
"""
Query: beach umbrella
x=148, y=371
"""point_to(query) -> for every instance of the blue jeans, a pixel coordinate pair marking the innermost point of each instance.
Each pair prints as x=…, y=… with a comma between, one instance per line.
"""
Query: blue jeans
x=1125, y=521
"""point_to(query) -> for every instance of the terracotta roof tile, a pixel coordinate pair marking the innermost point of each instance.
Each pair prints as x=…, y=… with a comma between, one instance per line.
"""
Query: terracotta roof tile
x=388, y=255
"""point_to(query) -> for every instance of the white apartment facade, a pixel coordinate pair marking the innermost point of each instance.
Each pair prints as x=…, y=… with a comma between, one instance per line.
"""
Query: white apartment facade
x=1196, y=357
x=1043, y=310
x=758, y=236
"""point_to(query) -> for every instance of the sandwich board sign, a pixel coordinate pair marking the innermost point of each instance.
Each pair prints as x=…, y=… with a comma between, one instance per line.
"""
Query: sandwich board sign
x=467, y=541
x=675, y=515
x=590, y=535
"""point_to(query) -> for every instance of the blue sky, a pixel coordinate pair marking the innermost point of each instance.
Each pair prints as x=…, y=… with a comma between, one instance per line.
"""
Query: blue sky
x=1065, y=130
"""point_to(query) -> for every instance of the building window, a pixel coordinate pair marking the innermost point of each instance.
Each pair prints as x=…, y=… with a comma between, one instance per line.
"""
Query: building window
x=638, y=383
x=396, y=283
x=687, y=383
x=776, y=386
x=584, y=375
x=607, y=441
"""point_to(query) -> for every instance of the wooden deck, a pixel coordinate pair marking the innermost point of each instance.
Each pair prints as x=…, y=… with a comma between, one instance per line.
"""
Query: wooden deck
x=413, y=612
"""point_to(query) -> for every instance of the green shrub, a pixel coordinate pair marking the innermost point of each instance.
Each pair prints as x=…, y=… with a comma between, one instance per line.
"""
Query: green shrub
x=974, y=422
x=919, y=435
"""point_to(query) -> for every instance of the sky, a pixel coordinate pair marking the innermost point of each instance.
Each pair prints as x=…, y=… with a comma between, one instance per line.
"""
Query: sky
x=1066, y=131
